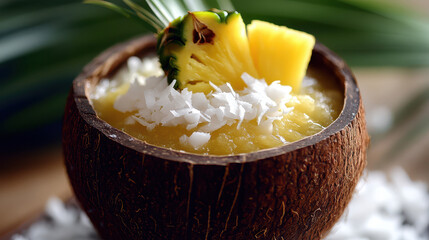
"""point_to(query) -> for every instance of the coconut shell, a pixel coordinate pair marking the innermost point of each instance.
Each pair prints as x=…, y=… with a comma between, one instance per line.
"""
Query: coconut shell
x=134, y=190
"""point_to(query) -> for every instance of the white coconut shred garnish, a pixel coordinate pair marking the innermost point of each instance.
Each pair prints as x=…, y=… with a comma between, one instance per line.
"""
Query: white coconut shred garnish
x=155, y=103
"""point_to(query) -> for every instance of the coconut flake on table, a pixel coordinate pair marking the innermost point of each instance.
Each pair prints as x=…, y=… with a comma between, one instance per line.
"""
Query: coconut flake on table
x=386, y=210
x=381, y=209
x=156, y=103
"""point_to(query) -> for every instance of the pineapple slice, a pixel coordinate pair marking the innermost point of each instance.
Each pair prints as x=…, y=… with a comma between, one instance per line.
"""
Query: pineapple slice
x=203, y=47
x=280, y=53
x=212, y=46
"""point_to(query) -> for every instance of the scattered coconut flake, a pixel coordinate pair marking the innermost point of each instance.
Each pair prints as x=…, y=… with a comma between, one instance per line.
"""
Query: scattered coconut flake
x=136, y=70
x=196, y=140
x=61, y=223
x=129, y=120
x=379, y=118
x=56, y=210
x=102, y=87
x=154, y=103
x=134, y=63
x=380, y=210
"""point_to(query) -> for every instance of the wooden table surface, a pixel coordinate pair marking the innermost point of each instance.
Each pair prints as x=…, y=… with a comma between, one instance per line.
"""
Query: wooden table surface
x=28, y=179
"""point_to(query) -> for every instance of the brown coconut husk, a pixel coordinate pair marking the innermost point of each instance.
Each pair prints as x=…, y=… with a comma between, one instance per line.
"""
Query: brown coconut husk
x=133, y=190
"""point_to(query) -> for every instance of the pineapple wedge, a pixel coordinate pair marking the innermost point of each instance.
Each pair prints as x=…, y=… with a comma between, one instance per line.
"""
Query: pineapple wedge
x=212, y=46
x=280, y=53
x=203, y=47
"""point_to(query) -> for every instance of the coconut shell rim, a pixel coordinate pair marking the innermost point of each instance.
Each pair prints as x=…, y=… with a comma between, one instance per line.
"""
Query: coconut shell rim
x=102, y=65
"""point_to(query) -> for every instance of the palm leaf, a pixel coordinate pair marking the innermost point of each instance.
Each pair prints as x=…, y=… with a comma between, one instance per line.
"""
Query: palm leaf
x=393, y=11
x=421, y=128
x=40, y=112
x=41, y=73
x=411, y=108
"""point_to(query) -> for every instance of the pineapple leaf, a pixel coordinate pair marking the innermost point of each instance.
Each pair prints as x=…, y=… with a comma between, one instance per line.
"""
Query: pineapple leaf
x=193, y=5
x=223, y=4
x=172, y=9
x=226, y=5
x=145, y=15
x=167, y=9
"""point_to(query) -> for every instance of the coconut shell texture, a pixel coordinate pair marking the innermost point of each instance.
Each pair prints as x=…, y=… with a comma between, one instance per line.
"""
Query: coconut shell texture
x=133, y=190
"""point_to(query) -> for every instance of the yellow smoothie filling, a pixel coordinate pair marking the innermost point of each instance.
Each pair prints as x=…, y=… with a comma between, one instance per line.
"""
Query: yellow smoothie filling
x=314, y=107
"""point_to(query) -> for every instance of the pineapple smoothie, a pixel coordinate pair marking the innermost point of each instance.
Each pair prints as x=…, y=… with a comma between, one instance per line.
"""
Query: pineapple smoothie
x=221, y=90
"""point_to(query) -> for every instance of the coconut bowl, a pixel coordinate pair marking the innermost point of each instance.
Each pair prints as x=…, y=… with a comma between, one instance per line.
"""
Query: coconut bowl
x=134, y=190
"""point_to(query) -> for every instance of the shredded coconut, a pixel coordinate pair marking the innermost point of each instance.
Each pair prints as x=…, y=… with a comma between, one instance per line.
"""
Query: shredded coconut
x=155, y=103
x=196, y=140
x=136, y=70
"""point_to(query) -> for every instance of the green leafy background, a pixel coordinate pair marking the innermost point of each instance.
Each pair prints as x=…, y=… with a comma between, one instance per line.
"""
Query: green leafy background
x=44, y=44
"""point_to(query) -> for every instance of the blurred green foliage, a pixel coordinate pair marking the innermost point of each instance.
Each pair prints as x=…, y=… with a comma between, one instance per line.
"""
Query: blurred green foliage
x=44, y=44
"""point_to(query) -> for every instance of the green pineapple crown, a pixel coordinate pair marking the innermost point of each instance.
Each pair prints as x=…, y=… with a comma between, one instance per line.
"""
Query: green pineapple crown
x=173, y=36
x=163, y=11
x=168, y=23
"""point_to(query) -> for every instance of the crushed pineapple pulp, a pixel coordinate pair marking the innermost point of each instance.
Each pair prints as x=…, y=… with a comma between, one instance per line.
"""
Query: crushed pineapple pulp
x=317, y=105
